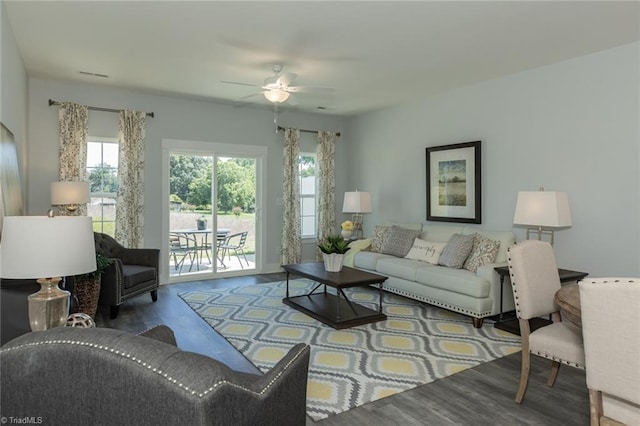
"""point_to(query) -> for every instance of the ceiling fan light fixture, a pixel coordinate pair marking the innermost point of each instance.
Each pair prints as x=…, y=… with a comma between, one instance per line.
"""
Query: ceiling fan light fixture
x=276, y=96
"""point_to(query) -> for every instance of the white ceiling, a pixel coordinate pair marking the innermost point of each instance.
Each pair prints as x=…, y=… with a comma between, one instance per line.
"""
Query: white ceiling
x=375, y=54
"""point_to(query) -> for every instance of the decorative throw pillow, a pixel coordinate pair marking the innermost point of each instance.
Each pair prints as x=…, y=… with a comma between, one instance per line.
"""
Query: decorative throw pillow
x=380, y=233
x=456, y=251
x=399, y=241
x=425, y=251
x=484, y=252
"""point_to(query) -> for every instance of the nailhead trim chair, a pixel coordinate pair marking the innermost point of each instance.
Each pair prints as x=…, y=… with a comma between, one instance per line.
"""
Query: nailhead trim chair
x=610, y=310
x=99, y=376
x=133, y=272
x=534, y=280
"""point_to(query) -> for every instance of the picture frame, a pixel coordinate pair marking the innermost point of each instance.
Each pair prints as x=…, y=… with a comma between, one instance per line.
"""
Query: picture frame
x=454, y=183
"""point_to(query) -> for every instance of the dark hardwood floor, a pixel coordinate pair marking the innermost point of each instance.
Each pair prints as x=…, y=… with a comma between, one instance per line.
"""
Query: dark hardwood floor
x=483, y=395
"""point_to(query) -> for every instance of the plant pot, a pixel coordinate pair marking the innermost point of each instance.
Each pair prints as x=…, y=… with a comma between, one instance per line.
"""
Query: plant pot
x=333, y=262
x=87, y=292
x=346, y=234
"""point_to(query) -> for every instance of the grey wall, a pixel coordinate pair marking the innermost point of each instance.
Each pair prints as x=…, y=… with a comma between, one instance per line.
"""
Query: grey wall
x=175, y=118
x=13, y=93
x=571, y=126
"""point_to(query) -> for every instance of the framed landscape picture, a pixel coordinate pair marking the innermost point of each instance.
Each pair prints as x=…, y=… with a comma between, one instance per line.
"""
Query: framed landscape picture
x=454, y=183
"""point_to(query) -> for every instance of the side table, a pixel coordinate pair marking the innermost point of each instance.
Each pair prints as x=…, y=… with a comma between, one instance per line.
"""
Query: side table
x=511, y=324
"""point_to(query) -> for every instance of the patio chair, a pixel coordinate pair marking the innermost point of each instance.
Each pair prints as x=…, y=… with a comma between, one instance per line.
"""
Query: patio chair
x=182, y=247
x=235, y=242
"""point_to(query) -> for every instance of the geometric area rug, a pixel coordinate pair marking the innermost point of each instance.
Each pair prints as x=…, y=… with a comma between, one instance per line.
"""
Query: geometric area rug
x=417, y=344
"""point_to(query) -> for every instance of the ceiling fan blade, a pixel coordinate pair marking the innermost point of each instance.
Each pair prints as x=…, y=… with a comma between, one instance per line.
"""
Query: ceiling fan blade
x=238, y=83
x=310, y=89
x=287, y=78
x=247, y=97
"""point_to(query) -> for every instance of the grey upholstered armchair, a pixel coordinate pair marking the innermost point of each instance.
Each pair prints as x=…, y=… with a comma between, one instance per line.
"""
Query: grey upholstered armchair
x=90, y=376
x=133, y=272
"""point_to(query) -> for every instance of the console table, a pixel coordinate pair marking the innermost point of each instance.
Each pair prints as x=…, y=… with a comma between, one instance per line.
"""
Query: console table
x=511, y=324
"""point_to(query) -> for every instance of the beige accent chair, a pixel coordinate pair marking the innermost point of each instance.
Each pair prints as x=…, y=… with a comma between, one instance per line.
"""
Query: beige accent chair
x=534, y=280
x=610, y=309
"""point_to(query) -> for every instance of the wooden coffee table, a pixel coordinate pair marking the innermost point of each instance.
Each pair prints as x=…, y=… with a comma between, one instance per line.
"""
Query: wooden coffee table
x=335, y=310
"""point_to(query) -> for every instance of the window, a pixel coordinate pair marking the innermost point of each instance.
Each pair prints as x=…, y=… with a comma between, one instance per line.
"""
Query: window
x=307, y=169
x=102, y=171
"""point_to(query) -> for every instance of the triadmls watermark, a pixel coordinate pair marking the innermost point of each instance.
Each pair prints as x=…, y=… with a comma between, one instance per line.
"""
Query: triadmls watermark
x=24, y=420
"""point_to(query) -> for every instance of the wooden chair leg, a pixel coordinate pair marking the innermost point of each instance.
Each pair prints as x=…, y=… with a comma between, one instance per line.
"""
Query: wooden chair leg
x=595, y=407
x=555, y=368
x=154, y=295
x=524, y=375
x=477, y=322
x=525, y=331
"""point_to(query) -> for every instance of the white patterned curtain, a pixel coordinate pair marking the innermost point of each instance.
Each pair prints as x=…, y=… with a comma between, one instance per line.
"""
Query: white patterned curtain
x=326, y=185
x=130, y=195
x=73, y=120
x=291, y=238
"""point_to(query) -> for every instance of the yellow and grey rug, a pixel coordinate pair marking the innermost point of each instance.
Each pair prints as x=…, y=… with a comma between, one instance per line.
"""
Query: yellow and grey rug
x=417, y=344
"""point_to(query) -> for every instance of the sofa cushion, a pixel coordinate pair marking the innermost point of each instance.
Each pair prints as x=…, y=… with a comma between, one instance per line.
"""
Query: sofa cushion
x=425, y=251
x=456, y=251
x=400, y=268
x=368, y=259
x=455, y=280
x=380, y=233
x=137, y=274
x=484, y=252
x=399, y=241
x=506, y=239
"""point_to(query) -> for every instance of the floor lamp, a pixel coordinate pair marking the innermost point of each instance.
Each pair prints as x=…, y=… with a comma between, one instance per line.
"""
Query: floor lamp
x=357, y=203
x=47, y=249
x=542, y=209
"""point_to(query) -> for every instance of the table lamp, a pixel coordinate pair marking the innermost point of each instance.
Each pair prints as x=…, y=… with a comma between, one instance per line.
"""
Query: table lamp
x=70, y=194
x=357, y=203
x=542, y=209
x=47, y=248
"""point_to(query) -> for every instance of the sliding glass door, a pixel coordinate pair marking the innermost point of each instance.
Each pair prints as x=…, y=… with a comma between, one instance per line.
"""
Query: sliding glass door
x=213, y=215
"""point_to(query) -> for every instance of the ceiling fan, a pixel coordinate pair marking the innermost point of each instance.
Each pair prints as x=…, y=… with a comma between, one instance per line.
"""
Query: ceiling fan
x=279, y=87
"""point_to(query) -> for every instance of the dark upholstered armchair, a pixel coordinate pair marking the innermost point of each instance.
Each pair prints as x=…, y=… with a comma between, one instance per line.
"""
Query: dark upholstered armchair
x=91, y=376
x=133, y=272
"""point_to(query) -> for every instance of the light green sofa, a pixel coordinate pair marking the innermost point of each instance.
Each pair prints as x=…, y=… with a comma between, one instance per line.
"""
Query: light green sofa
x=474, y=294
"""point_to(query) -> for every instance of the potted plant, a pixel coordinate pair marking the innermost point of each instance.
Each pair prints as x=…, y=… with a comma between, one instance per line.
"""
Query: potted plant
x=333, y=248
x=201, y=223
x=86, y=289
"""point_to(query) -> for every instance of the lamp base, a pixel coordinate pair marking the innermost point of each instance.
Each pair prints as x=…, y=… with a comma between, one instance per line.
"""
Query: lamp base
x=357, y=219
x=49, y=307
x=540, y=233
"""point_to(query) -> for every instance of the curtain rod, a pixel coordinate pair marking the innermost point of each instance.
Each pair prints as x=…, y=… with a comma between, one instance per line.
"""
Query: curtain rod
x=306, y=131
x=52, y=102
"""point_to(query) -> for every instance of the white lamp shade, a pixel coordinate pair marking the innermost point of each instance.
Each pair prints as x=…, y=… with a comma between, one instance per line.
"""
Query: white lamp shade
x=276, y=96
x=69, y=192
x=542, y=208
x=46, y=247
x=356, y=202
